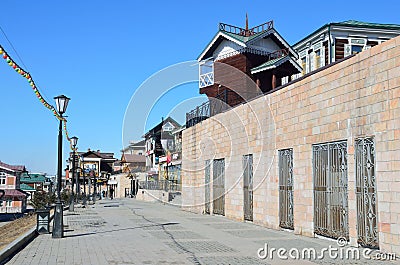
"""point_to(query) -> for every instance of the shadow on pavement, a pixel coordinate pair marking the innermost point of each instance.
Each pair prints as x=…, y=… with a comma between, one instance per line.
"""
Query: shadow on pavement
x=115, y=230
x=7, y=217
x=137, y=227
x=85, y=234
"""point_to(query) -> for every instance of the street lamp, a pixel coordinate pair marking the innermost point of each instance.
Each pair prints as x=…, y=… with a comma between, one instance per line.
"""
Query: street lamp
x=94, y=188
x=74, y=142
x=58, y=225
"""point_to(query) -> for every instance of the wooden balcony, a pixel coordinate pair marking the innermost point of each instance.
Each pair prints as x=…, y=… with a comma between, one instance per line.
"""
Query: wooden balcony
x=206, y=80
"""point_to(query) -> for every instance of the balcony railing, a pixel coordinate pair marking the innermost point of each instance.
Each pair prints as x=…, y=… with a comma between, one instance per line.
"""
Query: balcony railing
x=278, y=54
x=213, y=107
x=198, y=114
x=246, y=32
x=206, y=79
x=160, y=185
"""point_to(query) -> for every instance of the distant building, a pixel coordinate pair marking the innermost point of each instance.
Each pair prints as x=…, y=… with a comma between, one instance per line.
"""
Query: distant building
x=170, y=163
x=32, y=182
x=158, y=139
x=92, y=167
x=132, y=170
x=137, y=148
x=14, y=199
x=337, y=40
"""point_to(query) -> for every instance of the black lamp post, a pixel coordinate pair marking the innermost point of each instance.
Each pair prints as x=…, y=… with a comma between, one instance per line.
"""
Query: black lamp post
x=94, y=188
x=74, y=142
x=84, y=176
x=58, y=225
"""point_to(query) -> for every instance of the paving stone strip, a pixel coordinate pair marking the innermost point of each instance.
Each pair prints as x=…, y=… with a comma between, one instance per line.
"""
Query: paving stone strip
x=136, y=232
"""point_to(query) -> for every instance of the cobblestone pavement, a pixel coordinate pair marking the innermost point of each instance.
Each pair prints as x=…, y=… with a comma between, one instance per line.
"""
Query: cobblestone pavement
x=127, y=231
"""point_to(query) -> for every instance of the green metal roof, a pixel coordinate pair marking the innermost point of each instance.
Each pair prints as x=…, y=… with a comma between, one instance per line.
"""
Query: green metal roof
x=26, y=187
x=268, y=64
x=32, y=178
x=354, y=24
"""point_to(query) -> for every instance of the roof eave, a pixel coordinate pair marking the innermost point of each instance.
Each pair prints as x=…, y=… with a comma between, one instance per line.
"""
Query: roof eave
x=263, y=69
x=212, y=42
x=278, y=63
x=312, y=34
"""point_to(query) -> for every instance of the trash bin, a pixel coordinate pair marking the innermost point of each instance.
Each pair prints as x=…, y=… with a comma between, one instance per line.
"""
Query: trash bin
x=43, y=221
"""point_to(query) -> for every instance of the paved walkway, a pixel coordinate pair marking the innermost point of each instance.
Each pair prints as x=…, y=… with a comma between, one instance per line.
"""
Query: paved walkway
x=128, y=231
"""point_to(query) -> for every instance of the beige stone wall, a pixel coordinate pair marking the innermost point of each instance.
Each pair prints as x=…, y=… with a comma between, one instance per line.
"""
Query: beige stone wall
x=152, y=195
x=355, y=98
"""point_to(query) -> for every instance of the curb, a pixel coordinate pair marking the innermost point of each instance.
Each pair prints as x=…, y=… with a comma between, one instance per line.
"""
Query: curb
x=7, y=253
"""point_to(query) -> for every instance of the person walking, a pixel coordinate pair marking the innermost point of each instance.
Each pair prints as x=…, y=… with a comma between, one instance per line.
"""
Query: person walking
x=111, y=193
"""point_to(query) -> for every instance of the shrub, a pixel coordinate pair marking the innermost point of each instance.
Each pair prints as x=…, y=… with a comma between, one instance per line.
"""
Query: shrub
x=42, y=199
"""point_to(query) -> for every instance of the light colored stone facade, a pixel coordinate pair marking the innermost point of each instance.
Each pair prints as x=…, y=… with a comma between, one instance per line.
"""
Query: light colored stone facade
x=358, y=97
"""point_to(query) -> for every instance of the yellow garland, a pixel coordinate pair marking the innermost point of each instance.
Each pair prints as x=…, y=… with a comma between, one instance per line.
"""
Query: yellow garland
x=26, y=74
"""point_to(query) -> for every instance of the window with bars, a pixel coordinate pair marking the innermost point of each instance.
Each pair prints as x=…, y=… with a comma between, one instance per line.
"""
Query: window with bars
x=286, y=188
x=330, y=189
x=248, y=187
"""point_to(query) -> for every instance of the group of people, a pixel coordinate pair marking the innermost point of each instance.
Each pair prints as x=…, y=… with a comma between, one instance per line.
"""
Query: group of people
x=104, y=194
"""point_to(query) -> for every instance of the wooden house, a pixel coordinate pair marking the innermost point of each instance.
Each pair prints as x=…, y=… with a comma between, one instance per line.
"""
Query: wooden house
x=13, y=198
x=337, y=40
x=260, y=53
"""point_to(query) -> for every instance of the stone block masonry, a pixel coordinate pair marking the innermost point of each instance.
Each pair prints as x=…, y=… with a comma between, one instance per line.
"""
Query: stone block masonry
x=355, y=99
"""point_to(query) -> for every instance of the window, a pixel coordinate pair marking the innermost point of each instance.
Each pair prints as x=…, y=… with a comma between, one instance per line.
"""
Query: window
x=168, y=127
x=170, y=144
x=317, y=59
x=367, y=217
x=248, y=187
x=286, y=188
x=330, y=189
x=3, y=178
x=356, y=49
x=206, y=73
x=310, y=61
x=303, y=65
x=9, y=203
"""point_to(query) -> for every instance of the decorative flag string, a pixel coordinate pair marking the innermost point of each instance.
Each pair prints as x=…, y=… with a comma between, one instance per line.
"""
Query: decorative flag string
x=27, y=75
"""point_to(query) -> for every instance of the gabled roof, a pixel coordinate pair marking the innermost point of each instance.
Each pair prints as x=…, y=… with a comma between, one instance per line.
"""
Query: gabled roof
x=12, y=167
x=14, y=193
x=98, y=154
x=275, y=63
x=91, y=154
x=352, y=24
x=241, y=40
x=133, y=158
x=157, y=128
x=140, y=143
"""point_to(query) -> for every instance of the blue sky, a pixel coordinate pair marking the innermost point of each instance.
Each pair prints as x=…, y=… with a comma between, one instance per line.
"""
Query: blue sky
x=99, y=52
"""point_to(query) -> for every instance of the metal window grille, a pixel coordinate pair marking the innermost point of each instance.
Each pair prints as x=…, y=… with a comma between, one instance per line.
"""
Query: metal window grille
x=248, y=187
x=330, y=189
x=367, y=219
x=219, y=186
x=286, y=188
